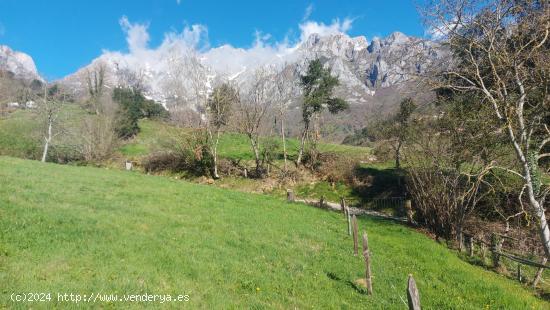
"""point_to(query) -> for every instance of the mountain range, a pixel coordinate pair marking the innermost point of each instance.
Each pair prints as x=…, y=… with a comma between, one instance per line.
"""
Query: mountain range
x=373, y=75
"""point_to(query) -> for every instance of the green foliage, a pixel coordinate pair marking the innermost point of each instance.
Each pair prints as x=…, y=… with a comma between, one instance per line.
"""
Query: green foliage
x=232, y=145
x=133, y=106
x=318, y=85
x=270, y=148
x=406, y=109
x=396, y=127
x=362, y=137
x=82, y=229
x=183, y=152
x=129, y=112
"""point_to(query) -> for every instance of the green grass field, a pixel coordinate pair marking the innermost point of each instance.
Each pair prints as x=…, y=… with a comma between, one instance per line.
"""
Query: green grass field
x=21, y=132
x=67, y=229
x=231, y=145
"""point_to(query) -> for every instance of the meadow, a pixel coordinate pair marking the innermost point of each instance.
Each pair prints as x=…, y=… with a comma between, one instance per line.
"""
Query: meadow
x=84, y=229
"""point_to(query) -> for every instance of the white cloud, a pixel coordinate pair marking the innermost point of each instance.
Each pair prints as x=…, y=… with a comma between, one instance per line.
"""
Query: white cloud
x=194, y=36
x=137, y=35
x=226, y=58
x=308, y=12
x=309, y=27
x=442, y=30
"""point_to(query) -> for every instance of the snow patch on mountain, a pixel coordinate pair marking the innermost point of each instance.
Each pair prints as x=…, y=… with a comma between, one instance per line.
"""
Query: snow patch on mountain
x=20, y=64
x=168, y=73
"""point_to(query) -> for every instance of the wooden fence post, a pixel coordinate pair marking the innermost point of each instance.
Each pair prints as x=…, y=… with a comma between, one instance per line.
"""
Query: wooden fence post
x=289, y=195
x=412, y=294
x=483, y=250
x=471, y=243
x=343, y=205
x=538, y=276
x=408, y=208
x=322, y=202
x=496, y=246
x=245, y=173
x=355, y=237
x=349, y=222
x=366, y=255
x=519, y=272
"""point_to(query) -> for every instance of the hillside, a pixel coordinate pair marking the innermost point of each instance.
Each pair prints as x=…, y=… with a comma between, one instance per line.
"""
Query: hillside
x=232, y=145
x=89, y=230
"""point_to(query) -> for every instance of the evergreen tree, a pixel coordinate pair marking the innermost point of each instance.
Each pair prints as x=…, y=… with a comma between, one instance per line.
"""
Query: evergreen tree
x=318, y=85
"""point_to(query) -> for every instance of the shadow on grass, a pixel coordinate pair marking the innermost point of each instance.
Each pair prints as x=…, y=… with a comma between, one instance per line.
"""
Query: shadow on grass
x=359, y=289
x=544, y=296
x=379, y=183
x=375, y=186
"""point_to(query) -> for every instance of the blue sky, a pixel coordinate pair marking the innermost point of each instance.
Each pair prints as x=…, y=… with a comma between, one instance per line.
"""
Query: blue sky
x=64, y=35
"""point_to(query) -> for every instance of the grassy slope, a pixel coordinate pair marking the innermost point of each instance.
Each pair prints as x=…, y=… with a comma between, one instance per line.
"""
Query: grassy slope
x=232, y=145
x=82, y=230
x=16, y=137
x=21, y=134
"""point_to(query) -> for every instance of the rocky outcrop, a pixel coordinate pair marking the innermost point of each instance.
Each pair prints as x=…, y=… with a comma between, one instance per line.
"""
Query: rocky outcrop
x=19, y=64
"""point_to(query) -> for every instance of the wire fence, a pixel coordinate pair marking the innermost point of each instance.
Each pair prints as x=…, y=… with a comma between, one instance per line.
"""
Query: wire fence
x=386, y=203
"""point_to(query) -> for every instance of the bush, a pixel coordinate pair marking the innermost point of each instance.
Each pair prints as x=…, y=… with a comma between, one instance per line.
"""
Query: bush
x=64, y=154
x=182, y=152
x=182, y=162
x=444, y=198
x=164, y=161
x=383, y=151
x=133, y=106
x=99, y=138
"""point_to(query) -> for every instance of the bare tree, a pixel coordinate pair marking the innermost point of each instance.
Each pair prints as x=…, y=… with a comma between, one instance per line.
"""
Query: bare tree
x=219, y=106
x=253, y=107
x=500, y=53
x=133, y=79
x=283, y=97
x=396, y=130
x=186, y=83
x=98, y=136
x=49, y=110
x=448, y=163
x=95, y=81
x=200, y=83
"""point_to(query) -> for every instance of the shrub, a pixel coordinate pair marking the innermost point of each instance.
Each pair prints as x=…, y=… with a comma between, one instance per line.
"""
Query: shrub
x=444, y=198
x=182, y=152
x=99, y=138
x=133, y=106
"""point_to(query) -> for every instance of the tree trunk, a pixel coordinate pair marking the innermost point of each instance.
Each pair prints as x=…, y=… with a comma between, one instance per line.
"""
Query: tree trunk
x=284, y=142
x=543, y=225
x=47, y=141
x=538, y=275
x=398, y=154
x=302, y=144
x=460, y=227
x=255, y=149
x=215, y=155
x=535, y=205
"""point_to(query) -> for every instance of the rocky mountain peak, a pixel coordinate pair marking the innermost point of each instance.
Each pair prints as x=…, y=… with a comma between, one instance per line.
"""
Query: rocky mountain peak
x=364, y=68
x=20, y=64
